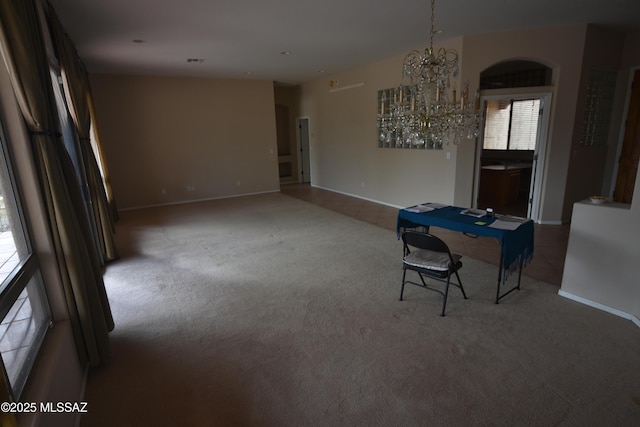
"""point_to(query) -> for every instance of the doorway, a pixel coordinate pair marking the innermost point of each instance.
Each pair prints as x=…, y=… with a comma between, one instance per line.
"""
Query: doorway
x=630, y=151
x=509, y=158
x=285, y=164
x=305, y=157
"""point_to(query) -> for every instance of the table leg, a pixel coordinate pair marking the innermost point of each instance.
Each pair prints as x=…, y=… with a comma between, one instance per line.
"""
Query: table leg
x=499, y=277
x=520, y=270
x=501, y=280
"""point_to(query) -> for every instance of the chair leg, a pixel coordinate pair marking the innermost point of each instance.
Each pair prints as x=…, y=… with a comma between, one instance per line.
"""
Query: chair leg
x=422, y=280
x=404, y=274
x=461, y=288
x=446, y=293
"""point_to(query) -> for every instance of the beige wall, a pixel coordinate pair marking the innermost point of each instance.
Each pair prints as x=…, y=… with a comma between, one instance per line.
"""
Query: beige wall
x=344, y=147
x=602, y=257
x=171, y=140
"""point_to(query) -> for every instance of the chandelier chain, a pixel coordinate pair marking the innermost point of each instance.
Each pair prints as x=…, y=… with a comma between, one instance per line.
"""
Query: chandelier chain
x=433, y=28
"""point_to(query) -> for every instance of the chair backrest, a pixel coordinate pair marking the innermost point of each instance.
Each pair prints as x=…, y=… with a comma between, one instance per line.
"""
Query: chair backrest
x=423, y=241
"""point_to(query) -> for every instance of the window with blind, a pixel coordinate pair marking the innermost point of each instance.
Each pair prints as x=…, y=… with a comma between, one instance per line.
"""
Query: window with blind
x=511, y=124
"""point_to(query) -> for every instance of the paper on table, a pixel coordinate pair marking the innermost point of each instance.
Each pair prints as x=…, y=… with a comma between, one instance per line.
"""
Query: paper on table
x=512, y=218
x=505, y=225
x=436, y=205
x=420, y=209
x=478, y=213
x=426, y=207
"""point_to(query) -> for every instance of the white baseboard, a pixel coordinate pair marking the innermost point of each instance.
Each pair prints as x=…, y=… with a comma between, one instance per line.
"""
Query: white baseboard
x=599, y=306
x=182, y=202
x=359, y=197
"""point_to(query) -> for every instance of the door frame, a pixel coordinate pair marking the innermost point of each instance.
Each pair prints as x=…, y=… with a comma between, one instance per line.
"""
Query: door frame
x=539, y=155
x=621, y=135
x=304, y=156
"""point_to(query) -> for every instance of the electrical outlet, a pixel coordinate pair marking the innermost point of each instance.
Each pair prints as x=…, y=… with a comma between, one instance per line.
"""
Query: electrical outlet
x=237, y=183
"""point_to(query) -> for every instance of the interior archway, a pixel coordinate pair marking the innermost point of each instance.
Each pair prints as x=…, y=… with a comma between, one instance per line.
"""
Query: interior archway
x=513, y=136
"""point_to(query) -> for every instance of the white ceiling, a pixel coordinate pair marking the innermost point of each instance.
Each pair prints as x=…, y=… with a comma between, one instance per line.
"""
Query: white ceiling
x=245, y=38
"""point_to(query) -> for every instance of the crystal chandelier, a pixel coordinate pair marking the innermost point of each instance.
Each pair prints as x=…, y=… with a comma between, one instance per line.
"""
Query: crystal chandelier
x=424, y=111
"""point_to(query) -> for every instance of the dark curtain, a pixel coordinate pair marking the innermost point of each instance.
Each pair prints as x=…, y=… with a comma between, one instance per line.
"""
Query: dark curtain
x=76, y=85
x=79, y=263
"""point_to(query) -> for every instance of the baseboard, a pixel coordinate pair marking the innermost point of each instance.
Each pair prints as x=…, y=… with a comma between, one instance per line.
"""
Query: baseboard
x=183, y=202
x=599, y=306
x=359, y=197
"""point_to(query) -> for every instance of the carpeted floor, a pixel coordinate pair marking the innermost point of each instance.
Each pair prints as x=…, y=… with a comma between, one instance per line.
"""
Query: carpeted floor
x=270, y=311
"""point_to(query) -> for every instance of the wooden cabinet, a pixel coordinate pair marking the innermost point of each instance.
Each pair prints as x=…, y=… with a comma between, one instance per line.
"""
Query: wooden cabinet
x=499, y=185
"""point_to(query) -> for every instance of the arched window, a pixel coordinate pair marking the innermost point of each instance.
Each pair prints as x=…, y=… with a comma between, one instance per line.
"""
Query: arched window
x=515, y=74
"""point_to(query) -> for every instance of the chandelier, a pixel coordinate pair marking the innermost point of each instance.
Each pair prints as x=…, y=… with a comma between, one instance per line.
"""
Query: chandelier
x=424, y=111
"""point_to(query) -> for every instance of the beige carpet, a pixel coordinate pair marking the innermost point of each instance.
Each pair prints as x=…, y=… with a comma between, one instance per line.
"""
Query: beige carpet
x=270, y=311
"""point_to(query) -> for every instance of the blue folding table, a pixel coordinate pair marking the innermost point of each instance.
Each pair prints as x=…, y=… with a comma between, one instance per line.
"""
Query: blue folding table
x=516, y=245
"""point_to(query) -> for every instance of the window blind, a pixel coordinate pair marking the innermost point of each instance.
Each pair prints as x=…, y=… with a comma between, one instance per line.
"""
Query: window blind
x=511, y=124
x=524, y=124
x=496, y=127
